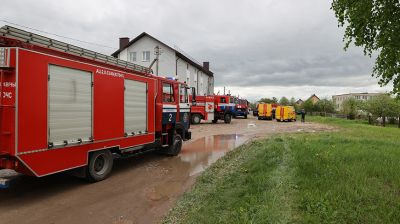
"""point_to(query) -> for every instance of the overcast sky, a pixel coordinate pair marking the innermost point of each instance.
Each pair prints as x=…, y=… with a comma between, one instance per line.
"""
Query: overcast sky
x=256, y=48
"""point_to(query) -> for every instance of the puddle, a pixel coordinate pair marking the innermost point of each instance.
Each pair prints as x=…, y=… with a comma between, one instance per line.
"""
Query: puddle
x=203, y=152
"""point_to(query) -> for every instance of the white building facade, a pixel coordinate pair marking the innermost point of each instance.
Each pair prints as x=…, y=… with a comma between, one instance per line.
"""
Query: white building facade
x=171, y=62
x=339, y=99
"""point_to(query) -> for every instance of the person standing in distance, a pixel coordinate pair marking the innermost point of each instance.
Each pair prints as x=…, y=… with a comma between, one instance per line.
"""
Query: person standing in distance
x=303, y=115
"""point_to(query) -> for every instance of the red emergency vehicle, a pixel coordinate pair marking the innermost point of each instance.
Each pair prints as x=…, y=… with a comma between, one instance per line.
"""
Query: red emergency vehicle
x=66, y=108
x=212, y=108
x=241, y=108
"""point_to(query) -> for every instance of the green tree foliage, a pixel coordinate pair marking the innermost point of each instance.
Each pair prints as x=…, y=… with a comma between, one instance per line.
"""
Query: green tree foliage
x=284, y=101
x=375, y=26
x=397, y=110
x=325, y=105
x=350, y=107
x=308, y=106
x=268, y=100
x=382, y=106
x=253, y=106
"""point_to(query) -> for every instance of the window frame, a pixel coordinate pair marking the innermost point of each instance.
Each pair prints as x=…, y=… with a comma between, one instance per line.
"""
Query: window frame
x=130, y=56
x=144, y=56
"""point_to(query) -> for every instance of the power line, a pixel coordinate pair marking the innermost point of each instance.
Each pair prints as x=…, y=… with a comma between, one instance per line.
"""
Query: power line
x=86, y=42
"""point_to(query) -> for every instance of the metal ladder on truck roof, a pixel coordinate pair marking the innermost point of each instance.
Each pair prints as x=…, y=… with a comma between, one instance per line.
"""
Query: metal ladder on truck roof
x=32, y=38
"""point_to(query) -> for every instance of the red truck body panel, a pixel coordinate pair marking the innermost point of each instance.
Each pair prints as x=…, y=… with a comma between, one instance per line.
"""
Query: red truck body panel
x=204, y=106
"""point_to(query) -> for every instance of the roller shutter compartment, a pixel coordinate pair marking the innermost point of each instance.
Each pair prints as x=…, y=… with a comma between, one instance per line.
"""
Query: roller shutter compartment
x=70, y=105
x=135, y=107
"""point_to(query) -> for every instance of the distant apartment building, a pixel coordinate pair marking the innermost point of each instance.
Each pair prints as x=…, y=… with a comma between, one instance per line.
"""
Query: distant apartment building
x=172, y=62
x=339, y=99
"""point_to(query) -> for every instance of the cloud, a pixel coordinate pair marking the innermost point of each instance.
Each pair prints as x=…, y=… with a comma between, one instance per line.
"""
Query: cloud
x=281, y=46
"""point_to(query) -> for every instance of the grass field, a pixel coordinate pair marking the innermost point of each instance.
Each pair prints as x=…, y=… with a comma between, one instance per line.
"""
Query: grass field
x=348, y=176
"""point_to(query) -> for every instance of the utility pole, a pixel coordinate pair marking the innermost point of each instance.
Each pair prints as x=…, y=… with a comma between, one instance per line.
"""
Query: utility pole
x=157, y=51
x=224, y=90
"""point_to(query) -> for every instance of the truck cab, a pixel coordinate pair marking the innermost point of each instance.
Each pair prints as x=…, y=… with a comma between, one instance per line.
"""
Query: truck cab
x=241, y=108
x=172, y=111
x=224, y=108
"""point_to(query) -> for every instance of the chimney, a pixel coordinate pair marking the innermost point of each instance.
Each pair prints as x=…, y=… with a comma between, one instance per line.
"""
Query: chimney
x=123, y=42
x=206, y=65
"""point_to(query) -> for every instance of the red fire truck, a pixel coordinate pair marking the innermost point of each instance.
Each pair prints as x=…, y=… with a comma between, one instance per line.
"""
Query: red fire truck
x=241, y=108
x=66, y=108
x=212, y=108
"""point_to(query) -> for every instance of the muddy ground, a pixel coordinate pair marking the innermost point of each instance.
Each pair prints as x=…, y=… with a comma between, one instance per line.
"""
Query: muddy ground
x=141, y=189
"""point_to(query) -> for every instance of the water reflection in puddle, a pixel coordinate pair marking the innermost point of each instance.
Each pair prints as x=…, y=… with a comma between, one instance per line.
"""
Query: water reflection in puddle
x=203, y=152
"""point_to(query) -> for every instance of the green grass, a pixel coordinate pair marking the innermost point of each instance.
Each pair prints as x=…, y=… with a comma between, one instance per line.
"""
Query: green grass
x=348, y=176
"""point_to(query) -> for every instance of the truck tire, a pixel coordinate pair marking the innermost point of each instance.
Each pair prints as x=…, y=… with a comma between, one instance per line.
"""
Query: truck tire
x=100, y=165
x=245, y=116
x=227, y=118
x=196, y=119
x=214, y=121
x=175, y=148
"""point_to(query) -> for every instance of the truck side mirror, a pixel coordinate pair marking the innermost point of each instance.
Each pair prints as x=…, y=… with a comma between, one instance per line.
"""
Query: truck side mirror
x=193, y=94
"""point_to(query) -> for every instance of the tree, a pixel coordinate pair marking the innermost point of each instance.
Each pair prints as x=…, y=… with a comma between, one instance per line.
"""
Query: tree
x=325, y=106
x=374, y=25
x=253, y=106
x=308, y=106
x=381, y=106
x=284, y=101
x=397, y=110
x=292, y=101
x=350, y=107
x=266, y=100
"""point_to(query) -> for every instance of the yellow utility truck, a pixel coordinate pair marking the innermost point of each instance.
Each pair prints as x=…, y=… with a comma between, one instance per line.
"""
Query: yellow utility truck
x=285, y=113
x=264, y=111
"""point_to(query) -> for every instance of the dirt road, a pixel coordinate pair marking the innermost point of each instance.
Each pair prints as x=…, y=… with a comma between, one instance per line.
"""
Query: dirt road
x=141, y=189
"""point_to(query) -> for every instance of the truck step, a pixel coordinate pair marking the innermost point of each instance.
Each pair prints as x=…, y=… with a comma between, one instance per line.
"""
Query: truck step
x=165, y=145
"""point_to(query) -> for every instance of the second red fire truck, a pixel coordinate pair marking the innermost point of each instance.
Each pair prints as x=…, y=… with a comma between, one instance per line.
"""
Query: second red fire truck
x=212, y=108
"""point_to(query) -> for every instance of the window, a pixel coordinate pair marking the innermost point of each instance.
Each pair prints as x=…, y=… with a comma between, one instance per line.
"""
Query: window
x=188, y=76
x=146, y=56
x=132, y=56
x=222, y=100
x=201, y=83
x=183, y=95
x=168, y=93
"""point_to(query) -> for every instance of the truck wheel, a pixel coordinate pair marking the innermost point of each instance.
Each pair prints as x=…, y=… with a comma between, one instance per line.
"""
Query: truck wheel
x=100, y=165
x=196, y=119
x=259, y=118
x=227, y=118
x=245, y=116
x=214, y=121
x=175, y=148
